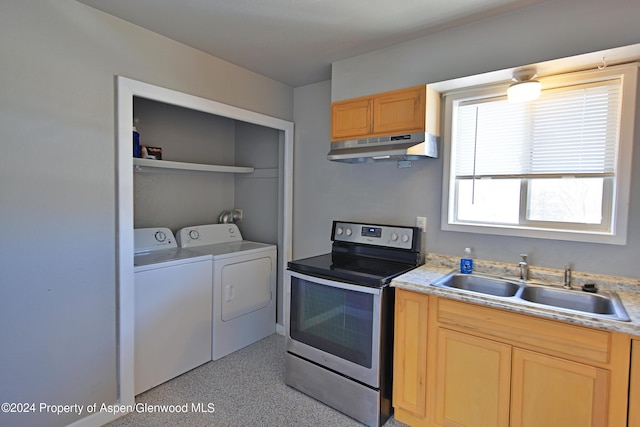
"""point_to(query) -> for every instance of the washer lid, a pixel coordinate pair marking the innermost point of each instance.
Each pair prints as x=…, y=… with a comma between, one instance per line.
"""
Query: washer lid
x=165, y=255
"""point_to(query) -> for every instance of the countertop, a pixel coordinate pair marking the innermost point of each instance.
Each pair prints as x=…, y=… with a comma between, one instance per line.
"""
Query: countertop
x=420, y=279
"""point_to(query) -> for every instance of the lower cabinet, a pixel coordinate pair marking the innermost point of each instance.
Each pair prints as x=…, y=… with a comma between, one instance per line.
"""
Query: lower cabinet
x=472, y=380
x=634, y=386
x=410, y=354
x=489, y=367
x=548, y=391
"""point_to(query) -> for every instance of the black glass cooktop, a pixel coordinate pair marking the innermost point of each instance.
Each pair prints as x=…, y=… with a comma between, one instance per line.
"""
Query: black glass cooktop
x=373, y=272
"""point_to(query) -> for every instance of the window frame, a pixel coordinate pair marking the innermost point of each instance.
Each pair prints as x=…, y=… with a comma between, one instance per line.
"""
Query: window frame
x=628, y=74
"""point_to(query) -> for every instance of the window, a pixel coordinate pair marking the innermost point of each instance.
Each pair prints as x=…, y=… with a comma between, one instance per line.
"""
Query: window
x=557, y=167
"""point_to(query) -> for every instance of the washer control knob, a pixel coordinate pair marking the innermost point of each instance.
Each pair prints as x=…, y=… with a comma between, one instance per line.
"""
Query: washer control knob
x=339, y=231
x=394, y=237
x=348, y=232
x=160, y=236
x=405, y=238
x=194, y=234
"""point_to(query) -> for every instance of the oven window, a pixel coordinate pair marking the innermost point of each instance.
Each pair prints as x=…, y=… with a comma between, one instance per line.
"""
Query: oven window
x=337, y=321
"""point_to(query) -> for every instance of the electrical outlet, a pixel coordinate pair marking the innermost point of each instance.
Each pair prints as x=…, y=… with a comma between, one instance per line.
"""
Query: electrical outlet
x=421, y=223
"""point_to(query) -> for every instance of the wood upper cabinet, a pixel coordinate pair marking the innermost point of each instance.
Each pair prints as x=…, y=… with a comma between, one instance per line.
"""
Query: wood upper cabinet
x=415, y=109
x=351, y=118
x=490, y=367
x=399, y=111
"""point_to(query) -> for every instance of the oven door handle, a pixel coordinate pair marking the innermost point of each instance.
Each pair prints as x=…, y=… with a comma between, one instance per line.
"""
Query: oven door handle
x=336, y=284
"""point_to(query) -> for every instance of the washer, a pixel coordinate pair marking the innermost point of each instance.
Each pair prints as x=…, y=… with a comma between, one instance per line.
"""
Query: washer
x=244, y=285
x=172, y=291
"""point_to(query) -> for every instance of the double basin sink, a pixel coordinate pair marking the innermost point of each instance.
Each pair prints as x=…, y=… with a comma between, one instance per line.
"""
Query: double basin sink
x=605, y=305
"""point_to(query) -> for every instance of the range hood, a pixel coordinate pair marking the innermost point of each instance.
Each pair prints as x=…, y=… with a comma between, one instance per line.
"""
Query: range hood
x=411, y=146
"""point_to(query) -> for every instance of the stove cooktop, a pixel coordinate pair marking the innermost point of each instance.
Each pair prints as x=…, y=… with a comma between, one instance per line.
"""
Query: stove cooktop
x=353, y=269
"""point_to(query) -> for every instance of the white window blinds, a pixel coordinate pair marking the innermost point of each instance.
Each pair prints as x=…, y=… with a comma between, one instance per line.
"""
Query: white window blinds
x=566, y=132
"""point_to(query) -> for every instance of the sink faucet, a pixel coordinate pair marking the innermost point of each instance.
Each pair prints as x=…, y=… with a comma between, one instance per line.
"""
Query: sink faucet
x=524, y=267
x=567, y=277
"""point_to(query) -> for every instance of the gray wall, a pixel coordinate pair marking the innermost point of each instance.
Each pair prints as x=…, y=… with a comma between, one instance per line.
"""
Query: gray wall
x=541, y=32
x=178, y=198
x=257, y=193
x=380, y=192
x=57, y=187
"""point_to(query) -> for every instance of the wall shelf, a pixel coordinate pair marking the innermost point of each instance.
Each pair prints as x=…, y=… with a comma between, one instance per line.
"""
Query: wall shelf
x=167, y=164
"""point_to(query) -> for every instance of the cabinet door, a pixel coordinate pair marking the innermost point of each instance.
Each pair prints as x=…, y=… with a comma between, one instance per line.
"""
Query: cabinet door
x=552, y=392
x=472, y=381
x=634, y=386
x=399, y=111
x=410, y=353
x=351, y=119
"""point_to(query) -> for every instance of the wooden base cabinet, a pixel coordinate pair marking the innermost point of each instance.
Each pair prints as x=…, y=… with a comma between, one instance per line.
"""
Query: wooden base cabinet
x=472, y=381
x=548, y=391
x=634, y=385
x=487, y=367
x=410, y=353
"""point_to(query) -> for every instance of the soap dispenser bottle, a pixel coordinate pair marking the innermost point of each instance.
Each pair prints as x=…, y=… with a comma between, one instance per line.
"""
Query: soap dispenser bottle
x=466, y=262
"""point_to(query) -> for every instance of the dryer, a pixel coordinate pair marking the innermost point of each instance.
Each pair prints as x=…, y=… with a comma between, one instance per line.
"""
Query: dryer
x=244, y=284
x=172, y=308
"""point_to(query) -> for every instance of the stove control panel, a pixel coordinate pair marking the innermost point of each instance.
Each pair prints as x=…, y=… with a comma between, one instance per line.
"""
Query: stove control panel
x=390, y=236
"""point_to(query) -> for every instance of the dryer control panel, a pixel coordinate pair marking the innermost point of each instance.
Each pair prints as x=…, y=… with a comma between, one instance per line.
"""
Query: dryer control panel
x=208, y=234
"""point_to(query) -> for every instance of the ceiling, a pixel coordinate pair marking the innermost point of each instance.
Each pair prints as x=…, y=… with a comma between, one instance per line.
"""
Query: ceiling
x=295, y=41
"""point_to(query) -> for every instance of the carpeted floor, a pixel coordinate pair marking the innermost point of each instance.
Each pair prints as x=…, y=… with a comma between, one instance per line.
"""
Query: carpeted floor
x=243, y=389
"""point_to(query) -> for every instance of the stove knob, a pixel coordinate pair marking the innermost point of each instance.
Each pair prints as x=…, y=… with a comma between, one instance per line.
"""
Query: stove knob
x=160, y=236
x=194, y=234
x=339, y=231
x=348, y=232
x=405, y=238
x=394, y=237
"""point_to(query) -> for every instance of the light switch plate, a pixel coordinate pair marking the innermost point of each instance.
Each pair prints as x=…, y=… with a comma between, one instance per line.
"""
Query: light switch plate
x=421, y=223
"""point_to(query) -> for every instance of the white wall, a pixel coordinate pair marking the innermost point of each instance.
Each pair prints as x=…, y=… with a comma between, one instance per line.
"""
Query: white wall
x=57, y=188
x=382, y=193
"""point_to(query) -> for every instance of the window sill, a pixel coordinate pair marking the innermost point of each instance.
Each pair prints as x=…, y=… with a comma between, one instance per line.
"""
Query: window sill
x=551, y=234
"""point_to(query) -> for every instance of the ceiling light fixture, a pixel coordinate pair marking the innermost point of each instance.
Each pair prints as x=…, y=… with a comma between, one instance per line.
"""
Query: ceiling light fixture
x=525, y=87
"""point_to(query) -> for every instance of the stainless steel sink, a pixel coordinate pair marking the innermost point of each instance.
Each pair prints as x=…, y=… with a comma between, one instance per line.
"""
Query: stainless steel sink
x=602, y=304
x=480, y=284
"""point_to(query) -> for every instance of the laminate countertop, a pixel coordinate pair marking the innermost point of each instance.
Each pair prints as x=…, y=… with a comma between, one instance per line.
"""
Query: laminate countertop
x=420, y=280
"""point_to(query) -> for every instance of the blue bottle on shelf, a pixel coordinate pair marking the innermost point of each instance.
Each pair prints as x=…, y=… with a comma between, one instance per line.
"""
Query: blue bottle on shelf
x=466, y=262
x=136, y=142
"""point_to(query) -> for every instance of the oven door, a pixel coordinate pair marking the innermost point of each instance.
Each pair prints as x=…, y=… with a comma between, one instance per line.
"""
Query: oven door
x=336, y=325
